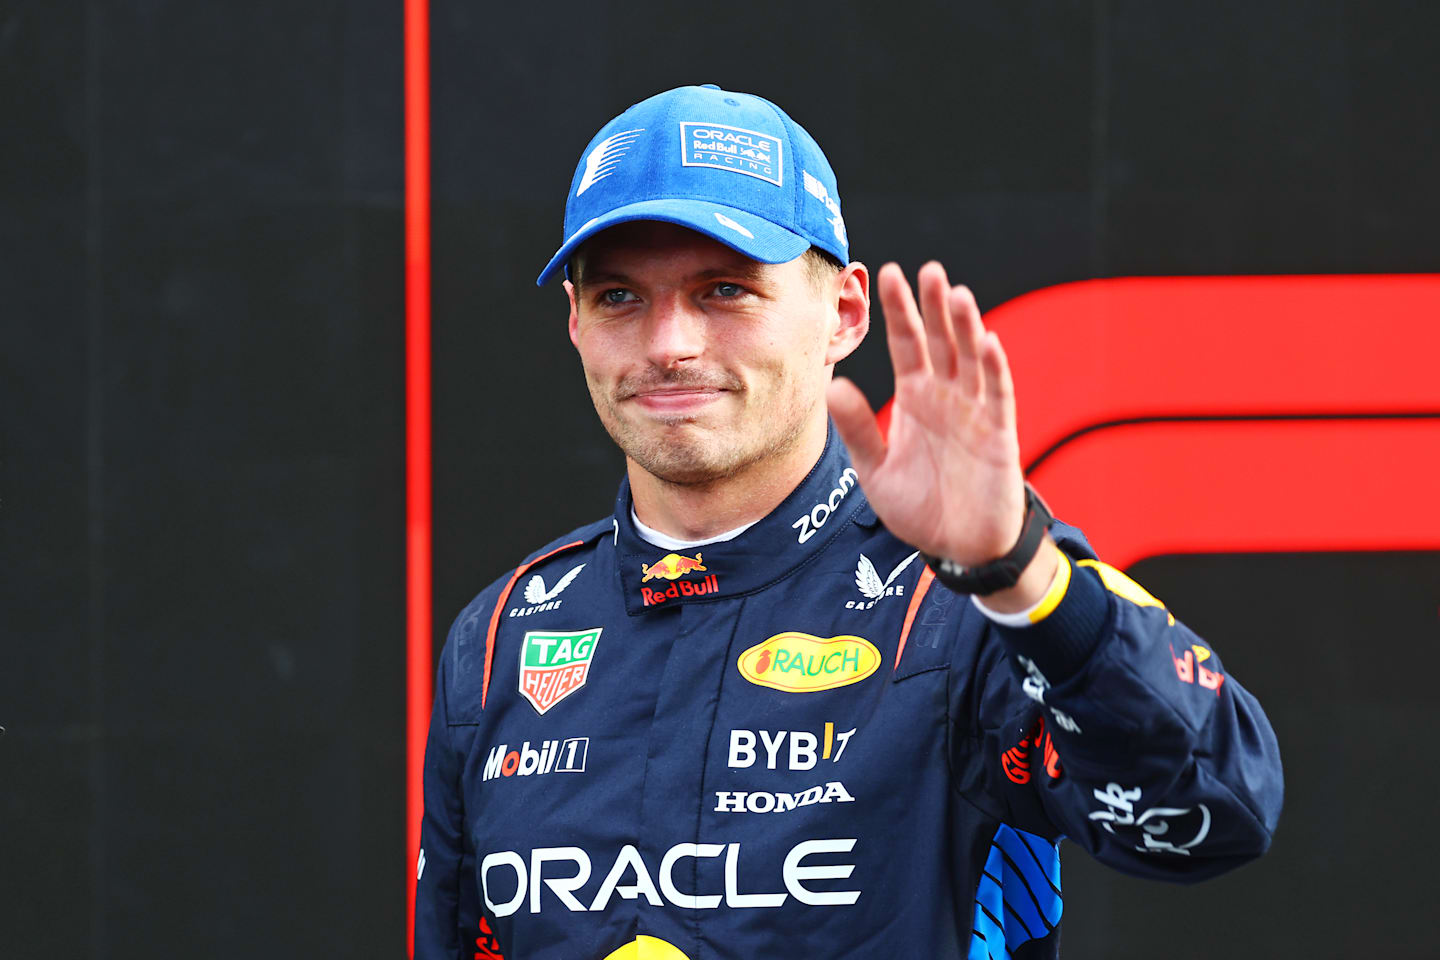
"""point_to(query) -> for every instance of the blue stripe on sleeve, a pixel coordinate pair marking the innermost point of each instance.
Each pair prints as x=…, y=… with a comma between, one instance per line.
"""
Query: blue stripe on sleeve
x=988, y=943
x=1017, y=898
x=1040, y=890
x=1047, y=856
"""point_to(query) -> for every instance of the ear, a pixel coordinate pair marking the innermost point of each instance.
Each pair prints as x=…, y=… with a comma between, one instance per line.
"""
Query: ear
x=574, y=315
x=851, y=291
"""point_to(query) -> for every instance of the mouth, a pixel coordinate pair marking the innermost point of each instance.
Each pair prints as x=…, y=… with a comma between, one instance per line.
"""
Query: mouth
x=676, y=400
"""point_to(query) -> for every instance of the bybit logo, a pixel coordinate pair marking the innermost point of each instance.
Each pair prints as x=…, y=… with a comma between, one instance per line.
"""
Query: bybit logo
x=805, y=748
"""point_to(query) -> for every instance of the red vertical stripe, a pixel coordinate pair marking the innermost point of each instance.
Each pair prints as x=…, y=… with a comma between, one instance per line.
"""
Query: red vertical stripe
x=922, y=586
x=419, y=664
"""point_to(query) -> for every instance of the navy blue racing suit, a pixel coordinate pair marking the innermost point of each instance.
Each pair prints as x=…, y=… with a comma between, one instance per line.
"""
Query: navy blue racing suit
x=797, y=743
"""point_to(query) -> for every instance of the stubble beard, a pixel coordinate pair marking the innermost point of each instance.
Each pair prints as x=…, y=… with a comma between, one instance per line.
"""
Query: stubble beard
x=686, y=451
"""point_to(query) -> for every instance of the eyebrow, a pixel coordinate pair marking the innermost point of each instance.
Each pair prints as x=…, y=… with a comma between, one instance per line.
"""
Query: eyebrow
x=749, y=270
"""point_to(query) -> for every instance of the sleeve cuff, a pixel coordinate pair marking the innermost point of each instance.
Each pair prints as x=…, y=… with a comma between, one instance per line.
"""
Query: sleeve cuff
x=1041, y=608
x=1063, y=630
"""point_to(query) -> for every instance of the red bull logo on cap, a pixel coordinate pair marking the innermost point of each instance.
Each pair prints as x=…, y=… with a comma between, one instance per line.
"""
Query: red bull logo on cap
x=672, y=567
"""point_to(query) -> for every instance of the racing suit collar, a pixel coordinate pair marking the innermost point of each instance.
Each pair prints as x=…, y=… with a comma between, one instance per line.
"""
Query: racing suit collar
x=779, y=544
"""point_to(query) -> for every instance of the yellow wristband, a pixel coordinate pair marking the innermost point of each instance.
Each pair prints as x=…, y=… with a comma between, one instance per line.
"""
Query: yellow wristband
x=1056, y=593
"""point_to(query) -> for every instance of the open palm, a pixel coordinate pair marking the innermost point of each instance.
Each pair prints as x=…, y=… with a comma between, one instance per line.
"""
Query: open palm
x=947, y=479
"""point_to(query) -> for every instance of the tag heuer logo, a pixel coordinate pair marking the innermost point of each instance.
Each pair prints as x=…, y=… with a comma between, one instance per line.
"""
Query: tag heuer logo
x=554, y=665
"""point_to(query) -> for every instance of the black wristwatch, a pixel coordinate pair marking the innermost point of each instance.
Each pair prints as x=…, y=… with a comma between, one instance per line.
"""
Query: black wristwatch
x=1002, y=573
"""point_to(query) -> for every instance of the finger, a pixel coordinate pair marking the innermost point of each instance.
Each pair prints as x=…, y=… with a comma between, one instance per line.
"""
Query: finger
x=999, y=387
x=856, y=423
x=903, y=329
x=969, y=331
x=935, y=311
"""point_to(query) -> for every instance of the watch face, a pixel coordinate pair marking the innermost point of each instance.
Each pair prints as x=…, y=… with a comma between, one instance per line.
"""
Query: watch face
x=1342, y=650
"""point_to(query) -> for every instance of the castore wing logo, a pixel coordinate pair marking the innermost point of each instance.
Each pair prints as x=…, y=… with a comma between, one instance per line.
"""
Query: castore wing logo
x=539, y=599
x=536, y=593
x=871, y=587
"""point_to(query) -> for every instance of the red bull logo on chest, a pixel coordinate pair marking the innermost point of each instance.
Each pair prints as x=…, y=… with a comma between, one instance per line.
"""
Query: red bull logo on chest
x=673, y=567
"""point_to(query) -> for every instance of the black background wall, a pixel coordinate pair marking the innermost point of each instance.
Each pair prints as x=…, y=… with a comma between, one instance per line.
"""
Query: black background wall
x=201, y=445
x=201, y=480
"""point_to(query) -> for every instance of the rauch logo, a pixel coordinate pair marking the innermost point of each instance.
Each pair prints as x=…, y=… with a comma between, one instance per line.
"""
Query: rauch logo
x=802, y=663
x=555, y=665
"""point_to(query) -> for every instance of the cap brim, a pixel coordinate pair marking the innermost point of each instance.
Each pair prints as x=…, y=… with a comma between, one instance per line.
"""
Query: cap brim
x=755, y=237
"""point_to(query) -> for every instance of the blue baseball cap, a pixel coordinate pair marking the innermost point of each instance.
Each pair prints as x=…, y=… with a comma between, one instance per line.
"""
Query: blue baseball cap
x=732, y=166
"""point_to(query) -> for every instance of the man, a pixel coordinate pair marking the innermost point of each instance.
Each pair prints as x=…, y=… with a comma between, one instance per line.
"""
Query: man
x=755, y=713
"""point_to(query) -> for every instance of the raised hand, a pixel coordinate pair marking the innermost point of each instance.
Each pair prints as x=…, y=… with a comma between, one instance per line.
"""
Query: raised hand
x=948, y=478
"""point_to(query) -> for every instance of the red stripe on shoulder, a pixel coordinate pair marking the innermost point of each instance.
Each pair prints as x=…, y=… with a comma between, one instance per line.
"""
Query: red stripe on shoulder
x=500, y=605
x=922, y=586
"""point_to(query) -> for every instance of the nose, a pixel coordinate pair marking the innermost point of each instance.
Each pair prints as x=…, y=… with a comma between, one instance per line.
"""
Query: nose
x=675, y=333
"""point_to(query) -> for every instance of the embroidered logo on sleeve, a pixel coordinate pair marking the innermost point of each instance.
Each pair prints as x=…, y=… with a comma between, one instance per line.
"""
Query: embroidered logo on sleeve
x=1159, y=829
x=1016, y=760
x=1190, y=668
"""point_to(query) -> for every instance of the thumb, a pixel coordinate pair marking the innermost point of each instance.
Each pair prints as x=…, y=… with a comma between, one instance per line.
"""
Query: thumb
x=856, y=423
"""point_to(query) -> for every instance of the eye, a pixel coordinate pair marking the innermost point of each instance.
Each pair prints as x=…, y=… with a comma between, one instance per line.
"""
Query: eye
x=728, y=290
x=617, y=295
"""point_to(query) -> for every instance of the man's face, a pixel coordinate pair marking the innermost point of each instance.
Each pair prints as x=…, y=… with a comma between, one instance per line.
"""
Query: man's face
x=700, y=361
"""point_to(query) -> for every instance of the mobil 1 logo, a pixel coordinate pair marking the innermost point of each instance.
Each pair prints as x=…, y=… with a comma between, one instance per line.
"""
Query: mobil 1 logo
x=552, y=756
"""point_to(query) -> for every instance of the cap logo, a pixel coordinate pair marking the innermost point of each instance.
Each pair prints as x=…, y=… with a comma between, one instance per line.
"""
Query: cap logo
x=735, y=149
x=725, y=221
x=817, y=190
x=605, y=157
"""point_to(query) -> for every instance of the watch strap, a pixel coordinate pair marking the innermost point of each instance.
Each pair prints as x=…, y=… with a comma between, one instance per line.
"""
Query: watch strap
x=1002, y=572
